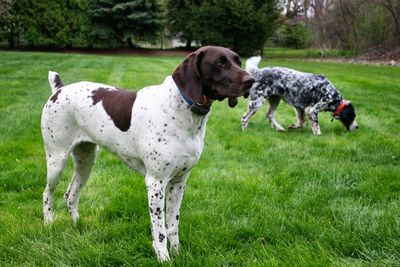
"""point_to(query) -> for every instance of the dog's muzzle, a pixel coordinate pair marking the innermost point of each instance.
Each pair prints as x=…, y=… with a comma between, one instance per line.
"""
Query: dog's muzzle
x=247, y=83
x=353, y=126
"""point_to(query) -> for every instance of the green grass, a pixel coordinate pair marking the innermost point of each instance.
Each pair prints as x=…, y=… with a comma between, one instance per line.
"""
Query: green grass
x=256, y=198
x=283, y=52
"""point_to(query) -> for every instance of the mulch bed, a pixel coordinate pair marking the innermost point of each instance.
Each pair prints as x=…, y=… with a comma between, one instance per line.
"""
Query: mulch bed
x=392, y=57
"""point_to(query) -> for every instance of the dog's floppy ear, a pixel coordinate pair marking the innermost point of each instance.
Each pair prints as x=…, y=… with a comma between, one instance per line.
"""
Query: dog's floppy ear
x=188, y=77
x=232, y=101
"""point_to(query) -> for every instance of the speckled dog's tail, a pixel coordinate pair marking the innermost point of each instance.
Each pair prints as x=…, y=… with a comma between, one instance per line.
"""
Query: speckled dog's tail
x=55, y=81
x=252, y=64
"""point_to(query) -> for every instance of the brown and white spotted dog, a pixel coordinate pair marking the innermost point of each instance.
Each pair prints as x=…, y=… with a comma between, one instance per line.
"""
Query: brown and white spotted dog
x=158, y=131
x=307, y=93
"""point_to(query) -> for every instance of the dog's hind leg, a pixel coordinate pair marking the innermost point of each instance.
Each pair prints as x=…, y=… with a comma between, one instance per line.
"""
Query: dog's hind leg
x=273, y=105
x=301, y=123
x=55, y=165
x=84, y=155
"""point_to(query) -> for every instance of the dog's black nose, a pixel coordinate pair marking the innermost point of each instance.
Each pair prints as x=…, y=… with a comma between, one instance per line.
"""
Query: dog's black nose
x=248, y=81
x=357, y=127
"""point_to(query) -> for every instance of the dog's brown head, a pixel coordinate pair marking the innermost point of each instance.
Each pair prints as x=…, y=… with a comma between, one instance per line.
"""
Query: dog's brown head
x=212, y=72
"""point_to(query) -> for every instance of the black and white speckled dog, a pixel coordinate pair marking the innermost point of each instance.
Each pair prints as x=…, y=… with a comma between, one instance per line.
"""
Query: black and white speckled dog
x=307, y=93
x=158, y=131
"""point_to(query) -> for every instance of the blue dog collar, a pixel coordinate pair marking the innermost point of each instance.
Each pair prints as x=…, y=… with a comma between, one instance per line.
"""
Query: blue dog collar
x=190, y=102
x=196, y=108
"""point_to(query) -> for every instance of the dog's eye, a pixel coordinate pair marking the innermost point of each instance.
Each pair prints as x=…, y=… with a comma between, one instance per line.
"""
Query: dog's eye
x=220, y=63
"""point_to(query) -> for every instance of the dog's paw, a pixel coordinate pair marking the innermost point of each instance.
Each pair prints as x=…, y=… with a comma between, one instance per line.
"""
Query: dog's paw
x=317, y=132
x=295, y=126
x=48, y=219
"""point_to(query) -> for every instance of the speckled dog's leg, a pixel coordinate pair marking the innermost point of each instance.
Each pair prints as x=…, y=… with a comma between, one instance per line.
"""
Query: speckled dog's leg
x=155, y=195
x=55, y=166
x=312, y=113
x=273, y=104
x=255, y=104
x=84, y=158
x=174, y=199
x=300, y=119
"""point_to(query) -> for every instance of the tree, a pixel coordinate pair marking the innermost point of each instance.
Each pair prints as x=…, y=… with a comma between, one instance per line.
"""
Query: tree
x=292, y=28
x=243, y=25
x=5, y=8
x=117, y=22
x=7, y=21
x=181, y=16
x=41, y=23
x=354, y=25
x=393, y=7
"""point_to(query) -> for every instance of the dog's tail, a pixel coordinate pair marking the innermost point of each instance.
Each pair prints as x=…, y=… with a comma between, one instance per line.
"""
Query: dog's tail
x=55, y=81
x=252, y=64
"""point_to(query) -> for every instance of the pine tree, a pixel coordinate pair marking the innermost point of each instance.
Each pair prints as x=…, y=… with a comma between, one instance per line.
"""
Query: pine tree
x=117, y=23
x=181, y=17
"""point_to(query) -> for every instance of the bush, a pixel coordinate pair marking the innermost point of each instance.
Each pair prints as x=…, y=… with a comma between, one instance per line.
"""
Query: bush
x=296, y=35
x=291, y=34
x=57, y=23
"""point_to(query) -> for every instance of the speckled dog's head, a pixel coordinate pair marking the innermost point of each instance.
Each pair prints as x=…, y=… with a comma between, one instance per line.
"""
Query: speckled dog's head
x=213, y=72
x=347, y=117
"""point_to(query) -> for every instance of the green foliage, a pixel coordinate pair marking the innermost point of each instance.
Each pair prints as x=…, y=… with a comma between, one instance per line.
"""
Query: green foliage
x=57, y=23
x=7, y=22
x=356, y=25
x=374, y=27
x=116, y=22
x=242, y=25
x=5, y=8
x=291, y=34
x=181, y=18
x=296, y=35
x=284, y=52
x=256, y=198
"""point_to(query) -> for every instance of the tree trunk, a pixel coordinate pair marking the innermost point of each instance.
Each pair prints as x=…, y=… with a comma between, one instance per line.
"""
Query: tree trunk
x=188, y=43
x=392, y=10
x=348, y=16
x=11, y=37
x=306, y=5
x=130, y=43
x=288, y=6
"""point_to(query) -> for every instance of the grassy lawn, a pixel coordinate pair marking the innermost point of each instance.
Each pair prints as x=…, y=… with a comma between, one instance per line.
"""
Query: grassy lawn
x=284, y=52
x=256, y=198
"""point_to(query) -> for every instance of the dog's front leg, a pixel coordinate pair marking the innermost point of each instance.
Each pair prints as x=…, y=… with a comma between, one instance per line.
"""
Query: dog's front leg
x=156, y=194
x=174, y=199
x=300, y=119
x=273, y=105
x=312, y=113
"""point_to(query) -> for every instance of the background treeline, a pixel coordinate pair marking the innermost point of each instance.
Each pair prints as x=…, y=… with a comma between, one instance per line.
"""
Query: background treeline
x=353, y=25
x=244, y=25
